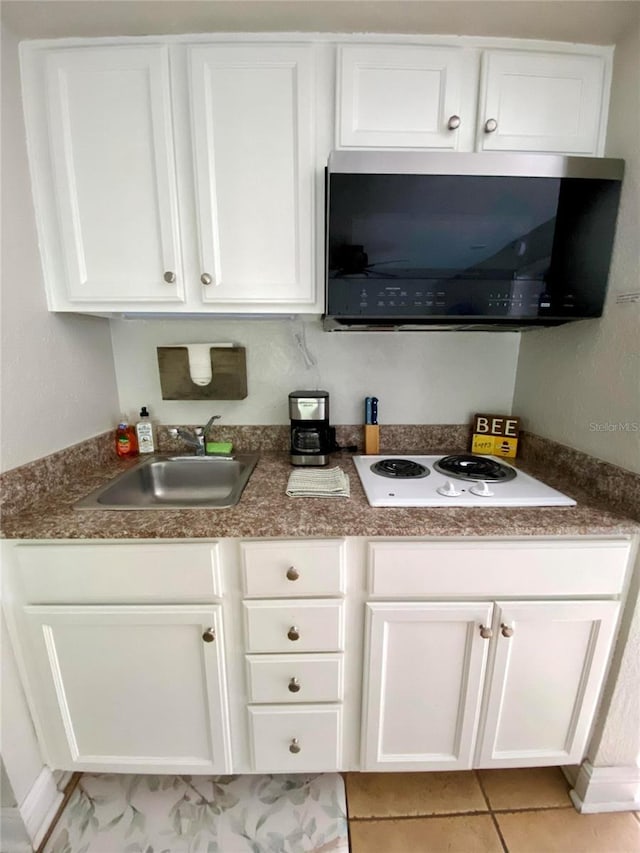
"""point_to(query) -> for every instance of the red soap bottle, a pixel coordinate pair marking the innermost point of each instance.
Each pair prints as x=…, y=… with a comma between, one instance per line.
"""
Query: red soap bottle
x=126, y=441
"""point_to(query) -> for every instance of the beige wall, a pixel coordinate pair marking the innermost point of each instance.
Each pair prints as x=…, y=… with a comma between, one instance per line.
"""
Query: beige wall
x=57, y=378
x=580, y=384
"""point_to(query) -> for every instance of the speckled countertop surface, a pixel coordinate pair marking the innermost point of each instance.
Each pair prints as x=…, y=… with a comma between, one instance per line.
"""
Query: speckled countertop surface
x=265, y=510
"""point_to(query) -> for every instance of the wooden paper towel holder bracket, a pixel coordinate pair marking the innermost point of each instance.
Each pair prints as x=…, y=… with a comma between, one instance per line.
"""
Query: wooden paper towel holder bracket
x=228, y=374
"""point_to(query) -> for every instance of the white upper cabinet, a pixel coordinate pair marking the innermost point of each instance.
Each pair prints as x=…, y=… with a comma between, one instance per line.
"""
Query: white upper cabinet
x=402, y=96
x=252, y=120
x=112, y=177
x=546, y=102
x=424, y=96
x=174, y=177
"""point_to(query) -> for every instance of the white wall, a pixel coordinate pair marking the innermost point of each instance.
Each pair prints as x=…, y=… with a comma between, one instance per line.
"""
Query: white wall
x=419, y=377
x=57, y=379
x=577, y=383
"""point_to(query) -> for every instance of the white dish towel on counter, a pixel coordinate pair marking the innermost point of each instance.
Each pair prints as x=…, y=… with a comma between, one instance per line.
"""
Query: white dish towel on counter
x=315, y=483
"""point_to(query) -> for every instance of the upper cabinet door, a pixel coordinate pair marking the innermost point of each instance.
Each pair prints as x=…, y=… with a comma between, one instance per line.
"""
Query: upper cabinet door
x=114, y=182
x=402, y=96
x=551, y=102
x=252, y=123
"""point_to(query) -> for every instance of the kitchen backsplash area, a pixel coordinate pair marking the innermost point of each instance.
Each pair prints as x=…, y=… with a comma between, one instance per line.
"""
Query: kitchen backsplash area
x=419, y=378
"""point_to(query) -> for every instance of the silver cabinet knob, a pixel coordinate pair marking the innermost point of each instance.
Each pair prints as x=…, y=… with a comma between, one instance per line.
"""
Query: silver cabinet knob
x=169, y=277
x=294, y=686
x=294, y=746
x=485, y=633
x=454, y=123
x=293, y=633
x=209, y=635
x=205, y=278
x=490, y=125
x=292, y=574
x=506, y=630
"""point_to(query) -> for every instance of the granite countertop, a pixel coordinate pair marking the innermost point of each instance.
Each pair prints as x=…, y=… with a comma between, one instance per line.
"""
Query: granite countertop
x=265, y=510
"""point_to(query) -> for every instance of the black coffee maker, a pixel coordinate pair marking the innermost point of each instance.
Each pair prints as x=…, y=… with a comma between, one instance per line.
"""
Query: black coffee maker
x=312, y=439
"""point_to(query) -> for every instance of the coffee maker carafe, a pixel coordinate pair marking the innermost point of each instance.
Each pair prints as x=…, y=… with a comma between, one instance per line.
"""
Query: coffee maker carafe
x=312, y=438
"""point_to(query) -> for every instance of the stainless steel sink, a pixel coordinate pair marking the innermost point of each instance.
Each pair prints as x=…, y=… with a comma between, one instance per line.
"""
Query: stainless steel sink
x=176, y=482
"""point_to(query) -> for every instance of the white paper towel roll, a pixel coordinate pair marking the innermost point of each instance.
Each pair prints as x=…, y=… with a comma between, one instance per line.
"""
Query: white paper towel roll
x=200, y=361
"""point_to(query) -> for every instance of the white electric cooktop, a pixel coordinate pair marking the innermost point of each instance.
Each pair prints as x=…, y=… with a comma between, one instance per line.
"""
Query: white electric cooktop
x=463, y=480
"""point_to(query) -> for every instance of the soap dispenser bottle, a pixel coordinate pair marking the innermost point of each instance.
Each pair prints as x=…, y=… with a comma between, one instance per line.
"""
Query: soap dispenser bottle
x=144, y=432
x=126, y=441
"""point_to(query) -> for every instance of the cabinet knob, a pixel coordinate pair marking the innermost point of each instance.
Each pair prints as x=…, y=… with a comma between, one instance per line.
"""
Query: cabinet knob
x=169, y=277
x=485, y=633
x=209, y=635
x=292, y=574
x=490, y=125
x=294, y=746
x=454, y=123
x=293, y=633
x=205, y=278
x=506, y=630
x=294, y=686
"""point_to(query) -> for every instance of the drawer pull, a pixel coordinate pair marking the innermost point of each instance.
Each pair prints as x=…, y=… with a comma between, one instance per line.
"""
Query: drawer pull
x=293, y=574
x=453, y=123
x=506, y=630
x=485, y=633
x=293, y=633
x=294, y=686
x=209, y=635
x=294, y=746
x=490, y=126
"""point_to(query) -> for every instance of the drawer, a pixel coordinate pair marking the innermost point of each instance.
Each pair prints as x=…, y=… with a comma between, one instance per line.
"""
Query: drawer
x=294, y=678
x=497, y=568
x=314, y=734
x=294, y=626
x=111, y=574
x=279, y=569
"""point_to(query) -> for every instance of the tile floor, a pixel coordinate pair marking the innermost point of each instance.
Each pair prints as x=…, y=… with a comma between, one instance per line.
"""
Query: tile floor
x=486, y=811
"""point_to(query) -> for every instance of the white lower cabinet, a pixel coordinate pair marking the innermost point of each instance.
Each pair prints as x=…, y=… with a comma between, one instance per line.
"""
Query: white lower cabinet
x=130, y=688
x=300, y=739
x=521, y=679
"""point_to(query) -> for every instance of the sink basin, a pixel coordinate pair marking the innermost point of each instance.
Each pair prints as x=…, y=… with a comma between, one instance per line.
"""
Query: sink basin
x=176, y=482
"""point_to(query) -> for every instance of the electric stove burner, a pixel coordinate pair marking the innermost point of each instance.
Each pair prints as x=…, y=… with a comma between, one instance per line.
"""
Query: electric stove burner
x=474, y=468
x=400, y=469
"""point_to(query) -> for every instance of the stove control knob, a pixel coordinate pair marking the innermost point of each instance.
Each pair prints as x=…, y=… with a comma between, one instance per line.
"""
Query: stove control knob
x=448, y=490
x=481, y=489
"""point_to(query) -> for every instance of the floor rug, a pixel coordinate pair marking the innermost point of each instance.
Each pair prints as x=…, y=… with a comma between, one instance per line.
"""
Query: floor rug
x=114, y=813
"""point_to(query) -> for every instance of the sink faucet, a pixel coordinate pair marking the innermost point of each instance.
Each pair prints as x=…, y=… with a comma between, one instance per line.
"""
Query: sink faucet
x=197, y=438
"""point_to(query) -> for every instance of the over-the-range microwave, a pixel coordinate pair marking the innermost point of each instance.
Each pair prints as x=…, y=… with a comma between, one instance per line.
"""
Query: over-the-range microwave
x=420, y=240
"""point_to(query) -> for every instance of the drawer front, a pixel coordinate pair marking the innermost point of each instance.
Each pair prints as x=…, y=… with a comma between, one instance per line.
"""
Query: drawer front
x=295, y=678
x=294, y=626
x=314, y=734
x=112, y=574
x=497, y=569
x=278, y=569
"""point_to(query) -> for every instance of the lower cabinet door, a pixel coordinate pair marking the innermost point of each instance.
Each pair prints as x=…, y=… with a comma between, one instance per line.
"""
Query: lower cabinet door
x=425, y=665
x=129, y=689
x=304, y=738
x=544, y=683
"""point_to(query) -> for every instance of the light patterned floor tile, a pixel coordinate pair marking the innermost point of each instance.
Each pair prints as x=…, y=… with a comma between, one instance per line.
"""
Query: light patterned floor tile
x=461, y=834
x=566, y=831
x=400, y=794
x=527, y=788
x=113, y=813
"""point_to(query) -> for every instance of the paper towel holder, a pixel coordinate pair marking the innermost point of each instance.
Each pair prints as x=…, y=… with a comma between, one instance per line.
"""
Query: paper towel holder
x=203, y=372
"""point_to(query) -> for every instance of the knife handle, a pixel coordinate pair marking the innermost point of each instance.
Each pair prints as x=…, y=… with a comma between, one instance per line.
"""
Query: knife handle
x=374, y=410
x=368, y=406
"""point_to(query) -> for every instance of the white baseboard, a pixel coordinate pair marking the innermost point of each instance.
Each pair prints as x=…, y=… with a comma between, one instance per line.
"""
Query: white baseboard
x=13, y=838
x=40, y=805
x=604, y=789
